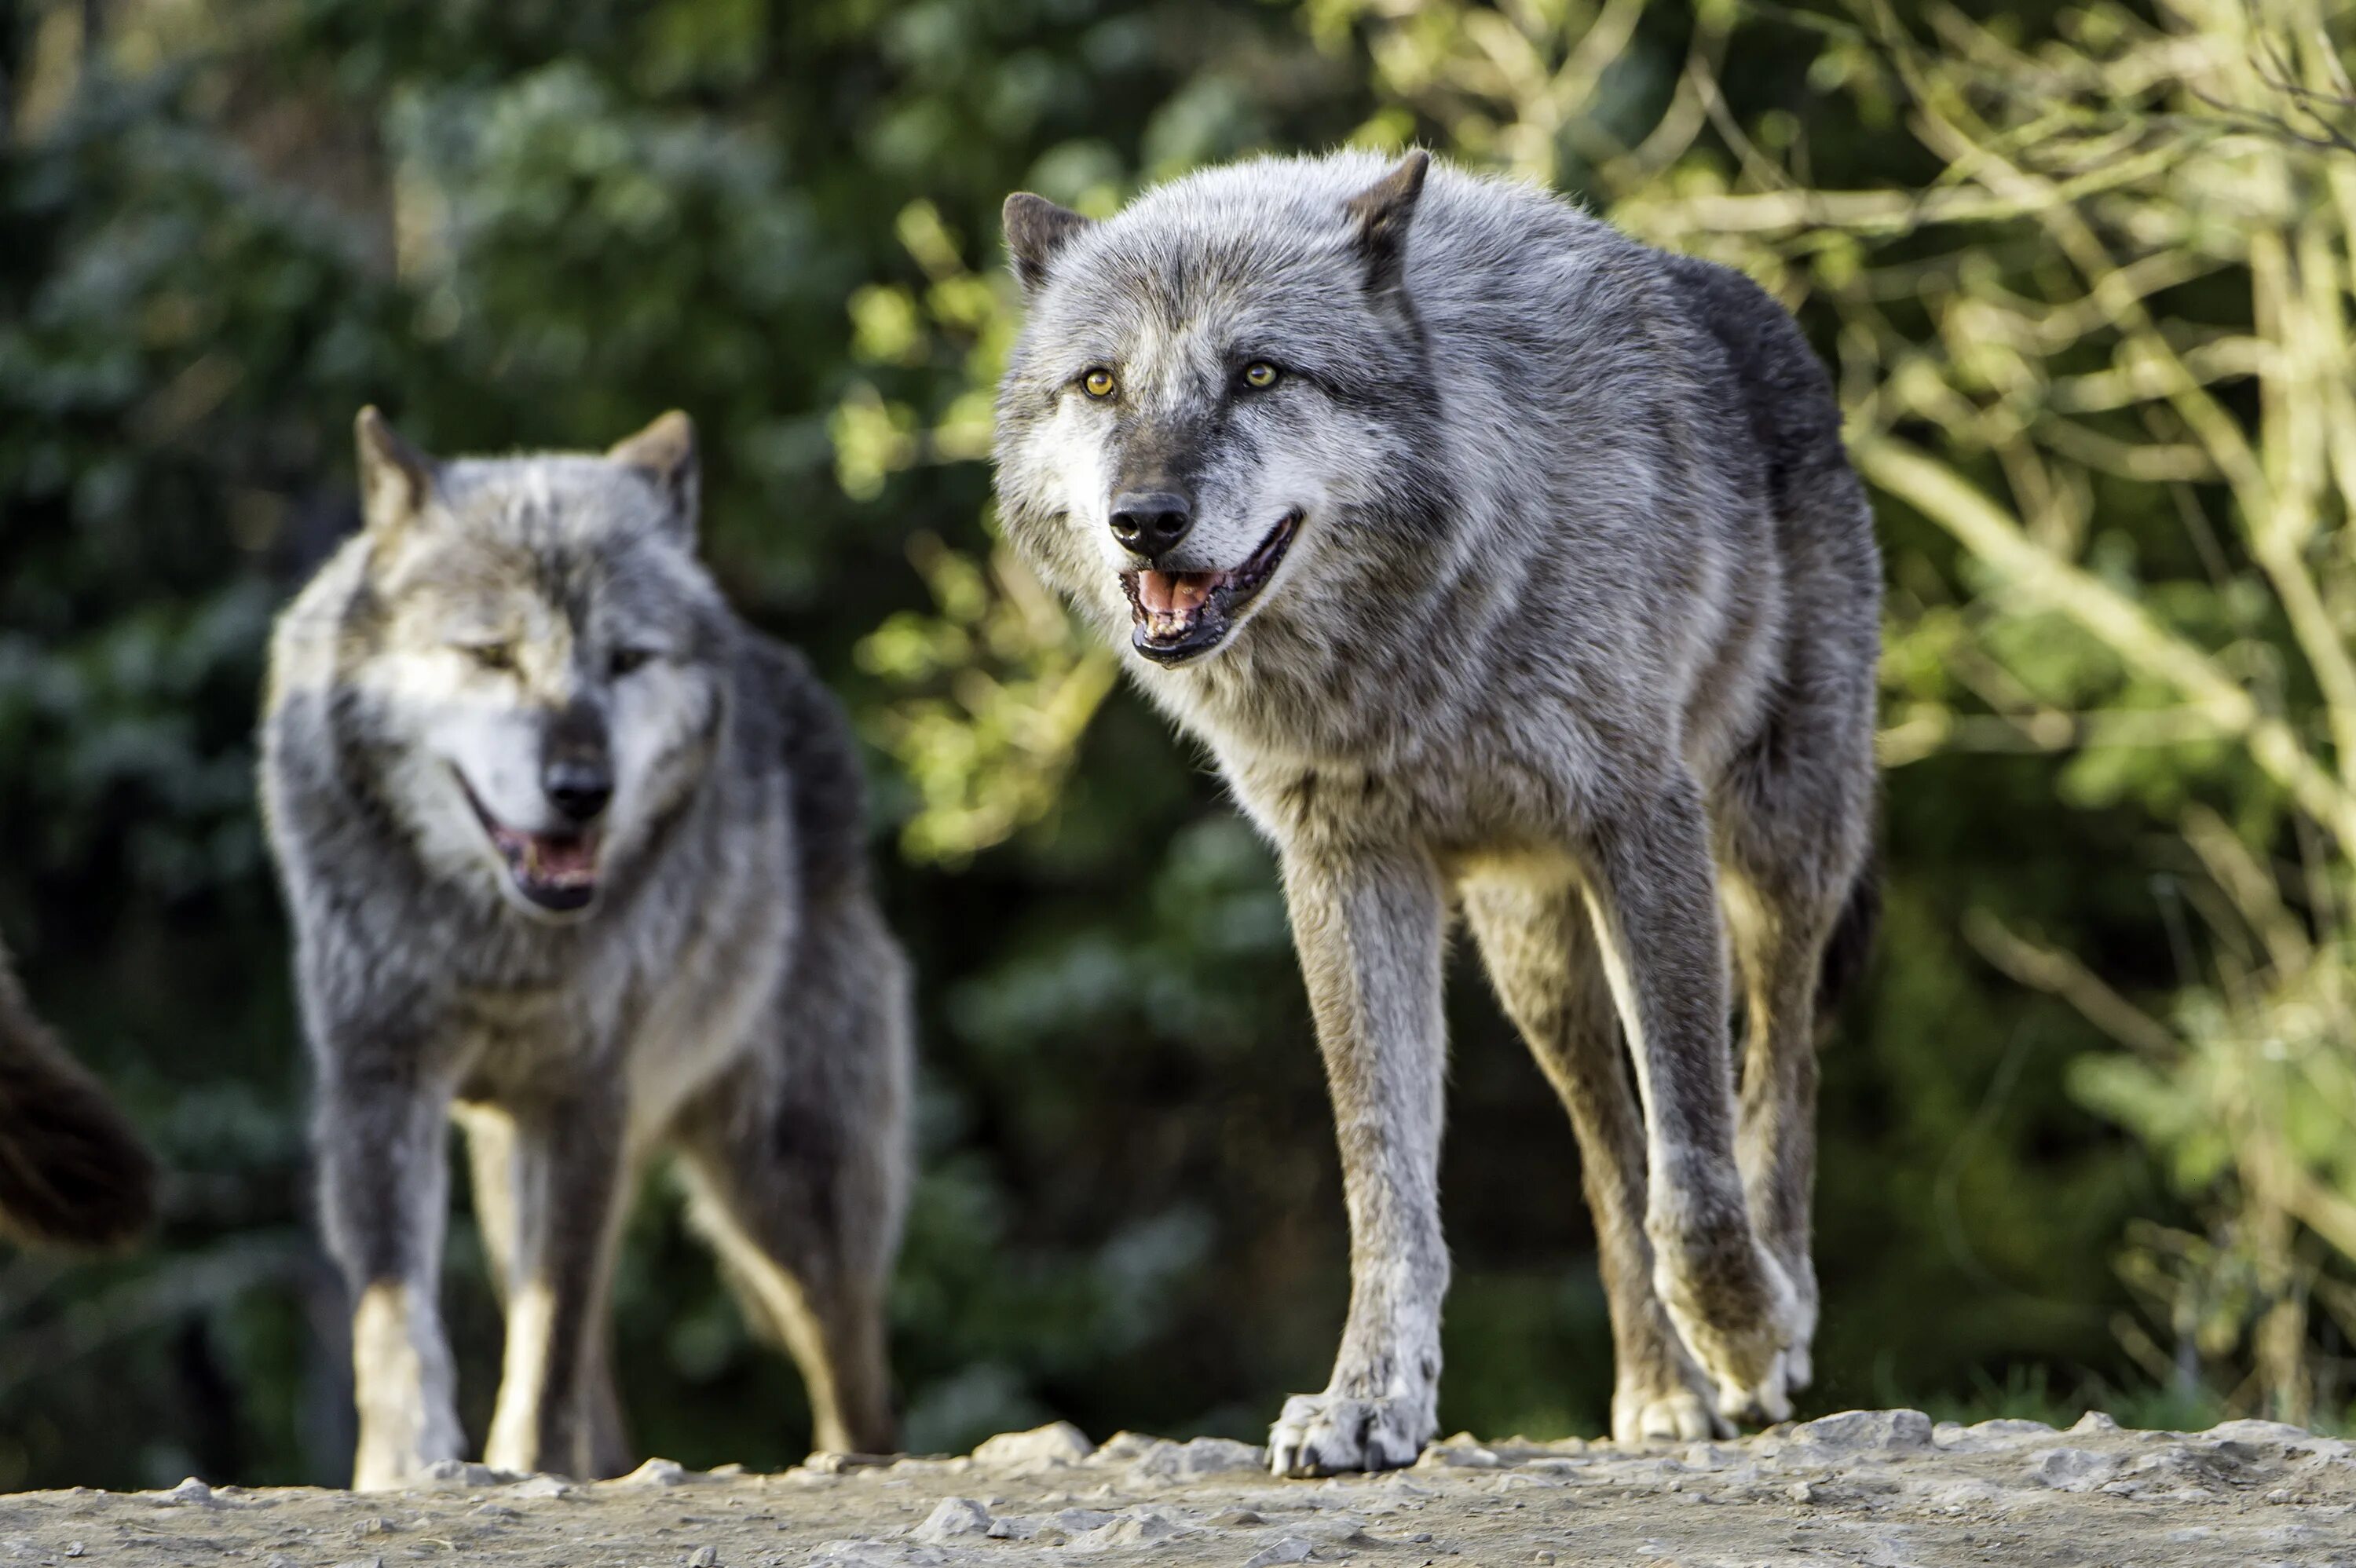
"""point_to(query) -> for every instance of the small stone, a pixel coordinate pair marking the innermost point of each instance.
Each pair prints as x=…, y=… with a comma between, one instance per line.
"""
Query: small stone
x=467, y=1474
x=655, y=1472
x=542, y=1487
x=1142, y=1526
x=497, y=1511
x=953, y=1517
x=703, y=1557
x=1291, y=1549
x=2095, y=1421
x=191, y=1490
x=1155, y=1459
x=75, y=1550
x=1801, y=1492
x=1058, y=1443
x=2071, y=1469
x=1541, y=1556
x=1868, y=1429
x=1235, y=1517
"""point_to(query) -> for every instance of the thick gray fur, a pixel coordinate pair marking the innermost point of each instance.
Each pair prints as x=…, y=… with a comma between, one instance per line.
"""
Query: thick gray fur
x=1576, y=634
x=730, y=993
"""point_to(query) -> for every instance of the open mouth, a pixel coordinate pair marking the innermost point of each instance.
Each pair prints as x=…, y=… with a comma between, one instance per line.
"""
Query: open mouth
x=555, y=871
x=1176, y=615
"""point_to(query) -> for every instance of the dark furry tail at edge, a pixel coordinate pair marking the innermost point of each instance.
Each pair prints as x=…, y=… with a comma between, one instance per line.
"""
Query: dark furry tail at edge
x=72, y=1173
x=1850, y=947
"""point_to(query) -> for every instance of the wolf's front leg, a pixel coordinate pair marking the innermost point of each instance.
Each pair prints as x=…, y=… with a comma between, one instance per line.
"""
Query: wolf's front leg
x=564, y=1179
x=1368, y=924
x=1653, y=896
x=383, y=1192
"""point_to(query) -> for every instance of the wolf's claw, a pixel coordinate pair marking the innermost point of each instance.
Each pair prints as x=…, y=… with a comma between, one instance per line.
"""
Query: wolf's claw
x=1321, y=1433
x=1683, y=1416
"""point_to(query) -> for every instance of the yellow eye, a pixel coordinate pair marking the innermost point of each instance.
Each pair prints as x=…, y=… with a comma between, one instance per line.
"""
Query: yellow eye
x=1099, y=383
x=1260, y=375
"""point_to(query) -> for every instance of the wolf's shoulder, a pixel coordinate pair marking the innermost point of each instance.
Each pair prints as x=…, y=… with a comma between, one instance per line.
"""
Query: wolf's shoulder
x=793, y=721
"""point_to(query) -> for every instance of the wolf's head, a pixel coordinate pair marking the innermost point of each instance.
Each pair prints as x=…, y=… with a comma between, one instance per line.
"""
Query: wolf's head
x=1219, y=400
x=535, y=652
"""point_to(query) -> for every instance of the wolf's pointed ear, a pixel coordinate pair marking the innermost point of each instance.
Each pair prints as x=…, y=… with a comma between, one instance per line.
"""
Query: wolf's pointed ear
x=1035, y=229
x=665, y=452
x=1380, y=216
x=396, y=479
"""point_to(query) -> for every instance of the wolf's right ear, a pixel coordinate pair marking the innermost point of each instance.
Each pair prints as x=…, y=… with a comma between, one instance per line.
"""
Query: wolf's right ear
x=1035, y=229
x=396, y=479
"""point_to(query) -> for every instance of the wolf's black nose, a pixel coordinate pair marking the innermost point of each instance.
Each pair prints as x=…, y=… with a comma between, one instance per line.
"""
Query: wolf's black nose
x=579, y=789
x=1149, y=521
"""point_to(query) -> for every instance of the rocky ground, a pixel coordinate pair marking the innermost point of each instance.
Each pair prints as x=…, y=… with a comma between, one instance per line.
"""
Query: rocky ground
x=1878, y=1488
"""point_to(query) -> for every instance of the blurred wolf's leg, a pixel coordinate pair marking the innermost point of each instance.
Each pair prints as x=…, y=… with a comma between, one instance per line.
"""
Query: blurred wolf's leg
x=564, y=1176
x=493, y=1153
x=798, y=1162
x=380, y=1141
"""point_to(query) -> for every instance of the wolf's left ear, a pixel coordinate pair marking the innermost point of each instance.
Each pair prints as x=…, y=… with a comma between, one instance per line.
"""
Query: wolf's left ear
x=665, y=452
x=1380, y=216
x=396, y=479
x=1035, y=229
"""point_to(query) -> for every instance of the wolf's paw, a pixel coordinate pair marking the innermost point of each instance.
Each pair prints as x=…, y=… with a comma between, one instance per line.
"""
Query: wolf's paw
x=1321, y=1433
x=1655, y=1416
x=1740, y=1317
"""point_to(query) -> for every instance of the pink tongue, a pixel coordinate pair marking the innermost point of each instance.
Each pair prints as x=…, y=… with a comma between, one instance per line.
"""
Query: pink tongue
x=560, y=857
x=1171, y=593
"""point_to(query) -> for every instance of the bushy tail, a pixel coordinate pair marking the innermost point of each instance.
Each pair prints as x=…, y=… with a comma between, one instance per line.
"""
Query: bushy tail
x=1850, y=947
x=71, y=1170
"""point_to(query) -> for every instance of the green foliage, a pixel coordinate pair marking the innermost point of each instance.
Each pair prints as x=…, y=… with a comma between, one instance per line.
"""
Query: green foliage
x=227, y=227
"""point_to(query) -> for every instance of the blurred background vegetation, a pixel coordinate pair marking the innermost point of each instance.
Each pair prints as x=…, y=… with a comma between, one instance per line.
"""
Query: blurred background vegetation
x=2084, y=273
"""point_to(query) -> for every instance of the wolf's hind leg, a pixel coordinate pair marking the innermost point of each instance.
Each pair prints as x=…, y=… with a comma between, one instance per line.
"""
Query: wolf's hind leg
x=1792, y=874
x=550, y=1187
x=1652, y=893
x=493, y=1155
x=1539, y=947
x=796, y=1163
x=380, y=1137
x=1368, y=927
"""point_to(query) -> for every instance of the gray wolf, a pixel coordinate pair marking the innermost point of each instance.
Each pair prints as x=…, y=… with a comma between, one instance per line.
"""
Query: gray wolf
x=1504, y=566
x=575, y=855
x=72, y=1173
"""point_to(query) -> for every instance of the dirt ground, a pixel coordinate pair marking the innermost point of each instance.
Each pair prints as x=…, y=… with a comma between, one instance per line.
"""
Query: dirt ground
x=1879, y=1488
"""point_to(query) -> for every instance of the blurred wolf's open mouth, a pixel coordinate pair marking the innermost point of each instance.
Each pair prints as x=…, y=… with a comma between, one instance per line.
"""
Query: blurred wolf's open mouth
x=1175, y=615
x=556, y=872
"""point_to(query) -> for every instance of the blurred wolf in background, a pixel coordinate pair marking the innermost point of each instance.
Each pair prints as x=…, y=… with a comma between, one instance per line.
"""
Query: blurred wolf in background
x=1503, y=563
x=72, y=1173
x=572, y=851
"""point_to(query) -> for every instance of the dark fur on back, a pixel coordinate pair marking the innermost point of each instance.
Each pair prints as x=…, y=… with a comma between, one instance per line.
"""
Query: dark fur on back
x=71, y=1170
